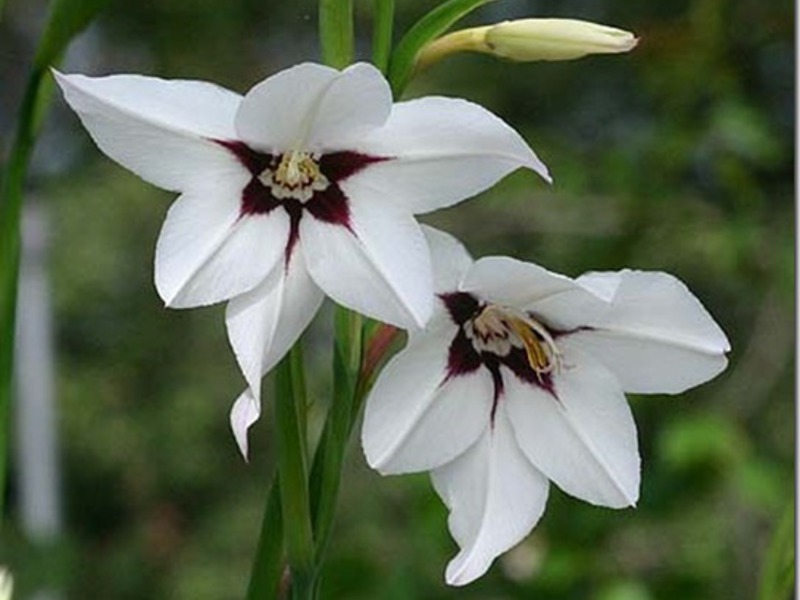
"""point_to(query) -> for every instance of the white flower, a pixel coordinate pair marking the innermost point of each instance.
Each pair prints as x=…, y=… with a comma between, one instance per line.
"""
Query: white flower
x=305, y=185
x=519, y=378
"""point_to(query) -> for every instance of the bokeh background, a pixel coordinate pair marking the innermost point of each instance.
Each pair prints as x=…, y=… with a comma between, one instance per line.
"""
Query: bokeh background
x=677, y=157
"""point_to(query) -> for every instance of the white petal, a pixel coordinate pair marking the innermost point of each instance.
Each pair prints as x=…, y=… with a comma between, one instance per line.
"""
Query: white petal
x=264, y=323
x=557, y=299
x=657, y=337
x=417, y=419
x=449, y=258
x=495, y=497
x=381, y=269
x=585, y=439
x=443, y=150
x=158, y=129
x=313, y=107
x=275, y=115
x=358, y=101
x=246, y=411
x=206, y=253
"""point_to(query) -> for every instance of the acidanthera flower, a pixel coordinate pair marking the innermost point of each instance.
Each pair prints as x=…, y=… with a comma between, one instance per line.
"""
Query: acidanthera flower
x=519, y=378
x=305, y=185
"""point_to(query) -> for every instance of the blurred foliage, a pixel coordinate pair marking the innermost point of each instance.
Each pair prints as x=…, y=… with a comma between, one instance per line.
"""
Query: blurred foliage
x=677, y=157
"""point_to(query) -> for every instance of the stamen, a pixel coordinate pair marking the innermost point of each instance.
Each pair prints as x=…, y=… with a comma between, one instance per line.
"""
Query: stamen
x=498, y=329
x=540, y=347
x=298, y=176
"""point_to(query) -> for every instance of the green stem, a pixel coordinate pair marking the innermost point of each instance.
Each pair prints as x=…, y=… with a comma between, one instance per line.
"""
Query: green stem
x=300, y=398
x=265, y=578
x=382, y=34
x=327, y=469
x=10, y=210
x=336, y=32
x=293, y=475
x=778, y=572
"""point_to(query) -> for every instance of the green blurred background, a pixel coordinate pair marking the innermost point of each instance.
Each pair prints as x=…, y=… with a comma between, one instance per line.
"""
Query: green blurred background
x=677, y=157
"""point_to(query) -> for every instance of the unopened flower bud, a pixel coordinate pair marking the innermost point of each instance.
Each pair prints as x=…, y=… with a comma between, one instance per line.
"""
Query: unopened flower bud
x=529, y=40
x=555, y=39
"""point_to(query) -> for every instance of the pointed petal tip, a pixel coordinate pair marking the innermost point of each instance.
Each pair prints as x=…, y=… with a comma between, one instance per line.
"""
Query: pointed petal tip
x=241, y=440
x=462, y=571
x=245, y=412
x=538, y=167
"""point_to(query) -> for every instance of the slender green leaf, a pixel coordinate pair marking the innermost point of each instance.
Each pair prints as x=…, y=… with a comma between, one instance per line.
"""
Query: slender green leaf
x=778, y=574
x=429, y=27
x=336, y=32
x=383, y=22
x=66, y=18
x=265, y=578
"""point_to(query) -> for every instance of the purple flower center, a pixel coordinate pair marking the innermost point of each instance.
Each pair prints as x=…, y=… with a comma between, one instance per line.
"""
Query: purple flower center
x=491, y=336
x=299, y=183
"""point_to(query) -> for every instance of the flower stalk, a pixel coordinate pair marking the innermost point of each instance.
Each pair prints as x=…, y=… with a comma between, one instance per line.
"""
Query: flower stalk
x=383, y=21
x=289, y=406
x=328, y=462
x=336, y=32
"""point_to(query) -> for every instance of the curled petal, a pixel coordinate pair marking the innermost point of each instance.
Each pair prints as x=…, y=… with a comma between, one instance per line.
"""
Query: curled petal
x=264, y=323
x=161, y=130
x=443, y=150
x=582, y=436
x=380, y=266
x=656, y=337
x=245, y=412
x=495, y=497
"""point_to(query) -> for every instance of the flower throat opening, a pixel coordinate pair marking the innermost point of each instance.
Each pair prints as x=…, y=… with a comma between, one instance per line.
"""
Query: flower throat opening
x=497, y=330
x=297, y=176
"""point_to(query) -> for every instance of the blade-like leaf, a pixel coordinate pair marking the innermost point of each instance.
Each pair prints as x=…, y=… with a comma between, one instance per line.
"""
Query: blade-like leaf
x=67, y=18
x=383, y=21
x=429, y=27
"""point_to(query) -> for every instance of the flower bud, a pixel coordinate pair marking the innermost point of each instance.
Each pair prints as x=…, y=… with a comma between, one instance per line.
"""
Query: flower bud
x=555, y=39
x=529, y=40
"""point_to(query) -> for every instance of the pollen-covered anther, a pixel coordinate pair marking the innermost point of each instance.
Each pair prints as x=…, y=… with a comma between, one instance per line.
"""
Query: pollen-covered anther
x=543, y=355
x=497, y=330
x=297, y=176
